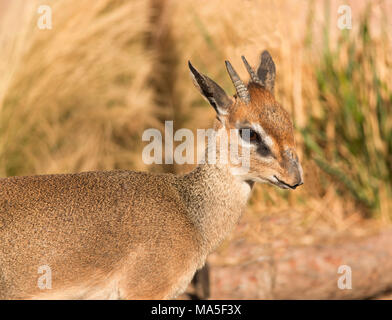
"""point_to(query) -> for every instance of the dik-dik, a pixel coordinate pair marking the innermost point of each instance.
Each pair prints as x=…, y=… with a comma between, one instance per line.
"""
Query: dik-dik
x=137, y=235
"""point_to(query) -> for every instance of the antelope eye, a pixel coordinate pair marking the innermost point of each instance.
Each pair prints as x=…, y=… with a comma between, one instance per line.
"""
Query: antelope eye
x=255, y=139
x=253, y=135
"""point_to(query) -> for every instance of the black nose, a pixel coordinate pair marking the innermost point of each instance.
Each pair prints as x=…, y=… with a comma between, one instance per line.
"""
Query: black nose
x=297, y=185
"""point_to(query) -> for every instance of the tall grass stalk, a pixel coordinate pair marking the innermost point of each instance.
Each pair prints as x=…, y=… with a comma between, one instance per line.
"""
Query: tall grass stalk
x=351, y=139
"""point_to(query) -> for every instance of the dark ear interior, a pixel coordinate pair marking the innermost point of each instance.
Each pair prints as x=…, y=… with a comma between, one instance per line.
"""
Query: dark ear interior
x=215, y=95
x=266, y=71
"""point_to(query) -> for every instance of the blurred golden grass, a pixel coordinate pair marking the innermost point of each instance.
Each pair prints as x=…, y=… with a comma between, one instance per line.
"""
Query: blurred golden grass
x=79, y=96
x=13, y=39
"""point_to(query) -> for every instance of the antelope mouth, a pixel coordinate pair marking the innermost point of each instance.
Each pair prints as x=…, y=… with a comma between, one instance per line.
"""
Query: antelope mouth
x=284, y=185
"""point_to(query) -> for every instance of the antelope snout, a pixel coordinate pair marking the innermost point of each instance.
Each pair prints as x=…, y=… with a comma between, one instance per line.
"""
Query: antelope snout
x=295, y=175
x=292, y=178
x=297, y=184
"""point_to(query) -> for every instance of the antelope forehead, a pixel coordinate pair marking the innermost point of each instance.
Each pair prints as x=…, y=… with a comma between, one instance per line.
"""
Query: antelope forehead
x=275, y=117
x=277, y=124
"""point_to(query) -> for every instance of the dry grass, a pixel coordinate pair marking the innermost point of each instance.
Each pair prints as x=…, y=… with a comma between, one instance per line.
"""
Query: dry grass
x=78, y=97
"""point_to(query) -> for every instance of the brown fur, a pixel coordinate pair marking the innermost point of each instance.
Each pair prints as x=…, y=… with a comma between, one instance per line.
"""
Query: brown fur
x=97, y=227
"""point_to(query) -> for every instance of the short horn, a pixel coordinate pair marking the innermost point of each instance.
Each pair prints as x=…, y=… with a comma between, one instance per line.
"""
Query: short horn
x=240, y=87
x=251, y=72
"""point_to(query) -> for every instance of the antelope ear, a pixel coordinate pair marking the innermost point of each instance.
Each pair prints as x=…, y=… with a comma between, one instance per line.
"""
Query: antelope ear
x=266, y=71
x=215, y=95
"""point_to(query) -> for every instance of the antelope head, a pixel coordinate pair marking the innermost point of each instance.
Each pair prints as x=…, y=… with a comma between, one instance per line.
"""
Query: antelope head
x=253, y=110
